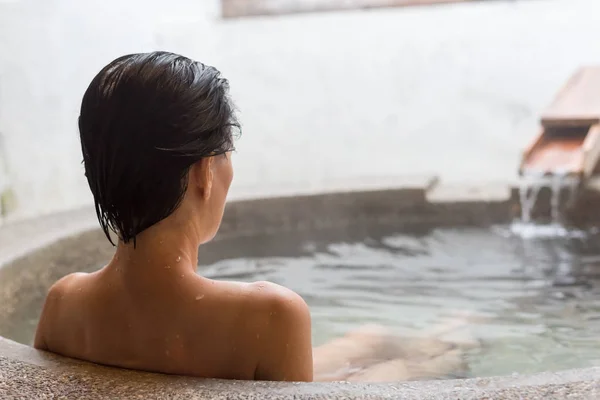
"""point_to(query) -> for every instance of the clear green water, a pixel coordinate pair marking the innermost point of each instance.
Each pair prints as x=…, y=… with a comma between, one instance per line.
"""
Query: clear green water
x=535, y=290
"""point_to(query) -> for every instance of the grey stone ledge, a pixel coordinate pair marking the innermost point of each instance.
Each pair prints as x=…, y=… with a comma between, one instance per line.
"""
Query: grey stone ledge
x=332, y=186
x=488, y=192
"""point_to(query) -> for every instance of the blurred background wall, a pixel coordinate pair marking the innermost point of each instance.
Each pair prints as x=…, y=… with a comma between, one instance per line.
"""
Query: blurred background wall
x=453, y=90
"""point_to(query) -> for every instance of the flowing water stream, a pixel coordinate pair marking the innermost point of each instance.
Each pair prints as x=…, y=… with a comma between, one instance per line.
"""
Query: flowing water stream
x=531, y=185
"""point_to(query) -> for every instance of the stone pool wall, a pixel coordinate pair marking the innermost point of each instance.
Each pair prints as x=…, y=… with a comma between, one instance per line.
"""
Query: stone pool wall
x=34, y=253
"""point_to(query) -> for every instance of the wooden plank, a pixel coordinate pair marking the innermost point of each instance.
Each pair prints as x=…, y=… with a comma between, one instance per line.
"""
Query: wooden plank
x=557, y=155
x=578, y=103
x=534, y=144
x=246, y=8
x=591, y=151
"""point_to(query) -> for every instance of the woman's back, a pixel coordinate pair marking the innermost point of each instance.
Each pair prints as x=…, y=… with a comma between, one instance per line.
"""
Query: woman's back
x=180, y=324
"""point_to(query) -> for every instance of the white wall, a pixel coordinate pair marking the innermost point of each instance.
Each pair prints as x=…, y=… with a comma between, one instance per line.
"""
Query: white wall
x=453, y=90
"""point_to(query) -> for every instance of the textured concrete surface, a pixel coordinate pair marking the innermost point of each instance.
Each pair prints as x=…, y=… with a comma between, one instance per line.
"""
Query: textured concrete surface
x=453, y=89
x=25, y=275
x=27, y=373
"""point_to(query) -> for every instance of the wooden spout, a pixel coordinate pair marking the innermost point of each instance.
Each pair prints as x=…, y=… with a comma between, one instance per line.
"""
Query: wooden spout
x=569, y=140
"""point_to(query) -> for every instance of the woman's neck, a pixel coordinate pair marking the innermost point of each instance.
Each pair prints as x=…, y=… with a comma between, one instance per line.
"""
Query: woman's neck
x=159, y=248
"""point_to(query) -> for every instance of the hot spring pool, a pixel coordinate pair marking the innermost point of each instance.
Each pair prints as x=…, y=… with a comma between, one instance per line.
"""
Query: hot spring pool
x=536, y=299
x=535, y=295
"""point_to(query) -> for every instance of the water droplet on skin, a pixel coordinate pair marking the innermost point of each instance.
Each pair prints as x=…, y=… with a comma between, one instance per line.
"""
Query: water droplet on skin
x=178, y=259
x=182, y=275
x=167, y=266
x=200, y=297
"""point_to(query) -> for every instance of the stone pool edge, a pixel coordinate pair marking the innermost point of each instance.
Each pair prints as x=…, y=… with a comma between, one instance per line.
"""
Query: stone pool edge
x=26, y=372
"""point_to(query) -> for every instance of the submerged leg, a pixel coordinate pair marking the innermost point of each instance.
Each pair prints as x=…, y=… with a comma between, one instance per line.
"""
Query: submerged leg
x=339, y=358
x=451, y=364
x=374, y=354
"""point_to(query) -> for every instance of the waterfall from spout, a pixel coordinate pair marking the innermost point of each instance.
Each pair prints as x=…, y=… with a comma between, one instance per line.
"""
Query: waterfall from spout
x=530, y=186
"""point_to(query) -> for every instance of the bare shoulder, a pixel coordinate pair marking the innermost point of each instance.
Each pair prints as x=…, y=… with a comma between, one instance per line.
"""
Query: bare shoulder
x=284, y=308
x=63, y=285
x=50, y=311
x=68, y=280
x=279, y=300
x=287, y=346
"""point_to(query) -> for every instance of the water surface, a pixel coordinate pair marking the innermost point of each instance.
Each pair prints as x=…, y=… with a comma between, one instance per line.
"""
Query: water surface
x=535, y=290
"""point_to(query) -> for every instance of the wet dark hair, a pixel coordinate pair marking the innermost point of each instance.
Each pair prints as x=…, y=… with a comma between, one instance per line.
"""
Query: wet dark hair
x=145, y=120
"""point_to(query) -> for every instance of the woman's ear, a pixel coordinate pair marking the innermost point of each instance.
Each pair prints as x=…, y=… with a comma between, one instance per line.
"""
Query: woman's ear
x=202, y=176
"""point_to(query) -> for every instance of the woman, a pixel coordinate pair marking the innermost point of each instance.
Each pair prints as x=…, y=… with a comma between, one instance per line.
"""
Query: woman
x=156, y=135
